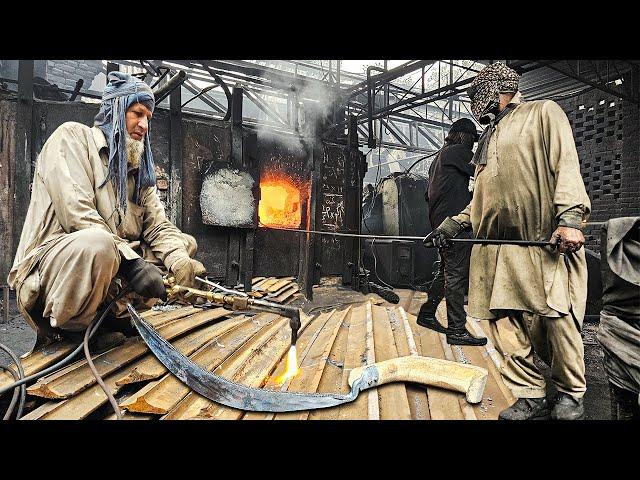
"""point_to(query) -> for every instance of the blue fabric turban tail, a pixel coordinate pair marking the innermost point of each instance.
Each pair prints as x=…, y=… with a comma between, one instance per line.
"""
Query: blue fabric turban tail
x=121, y=92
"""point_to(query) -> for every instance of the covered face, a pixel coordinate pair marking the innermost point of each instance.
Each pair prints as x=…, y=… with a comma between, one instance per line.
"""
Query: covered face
x=122, y=92
x=485, y=89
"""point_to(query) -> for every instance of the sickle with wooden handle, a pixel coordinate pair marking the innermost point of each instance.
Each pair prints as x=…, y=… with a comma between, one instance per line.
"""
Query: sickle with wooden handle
x=468, y=379
x=430, y=371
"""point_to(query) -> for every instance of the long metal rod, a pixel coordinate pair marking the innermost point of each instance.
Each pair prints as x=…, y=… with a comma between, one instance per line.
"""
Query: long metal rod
x=487, y=241
x=479, y=241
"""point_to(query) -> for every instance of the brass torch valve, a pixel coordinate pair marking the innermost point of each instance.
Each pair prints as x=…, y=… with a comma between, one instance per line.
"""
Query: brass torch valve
x=235, y=302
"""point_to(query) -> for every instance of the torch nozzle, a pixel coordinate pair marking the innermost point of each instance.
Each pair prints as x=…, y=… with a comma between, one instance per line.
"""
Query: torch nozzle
x=294, y=324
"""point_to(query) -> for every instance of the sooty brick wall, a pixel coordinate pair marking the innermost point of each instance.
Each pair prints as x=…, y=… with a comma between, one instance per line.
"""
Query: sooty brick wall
x=607, y=135
x=65, y=73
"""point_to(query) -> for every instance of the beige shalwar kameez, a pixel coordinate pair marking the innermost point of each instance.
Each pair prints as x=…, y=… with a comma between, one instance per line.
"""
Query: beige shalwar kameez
x=74, y=237
x=530, y=184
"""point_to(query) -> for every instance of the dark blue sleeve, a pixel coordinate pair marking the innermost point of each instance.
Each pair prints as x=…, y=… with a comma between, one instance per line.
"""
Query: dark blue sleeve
x=460, y=158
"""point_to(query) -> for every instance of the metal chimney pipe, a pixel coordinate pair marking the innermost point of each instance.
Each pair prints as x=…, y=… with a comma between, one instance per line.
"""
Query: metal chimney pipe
x=173, y=83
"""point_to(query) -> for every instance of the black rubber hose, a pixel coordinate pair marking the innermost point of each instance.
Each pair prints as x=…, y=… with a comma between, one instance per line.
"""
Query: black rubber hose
x=16, y=392
x=69, y=357
x=96, y=374
x=23, y=390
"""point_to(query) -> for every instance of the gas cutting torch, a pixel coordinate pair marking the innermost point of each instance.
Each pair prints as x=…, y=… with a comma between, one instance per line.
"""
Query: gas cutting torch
x=239, y=302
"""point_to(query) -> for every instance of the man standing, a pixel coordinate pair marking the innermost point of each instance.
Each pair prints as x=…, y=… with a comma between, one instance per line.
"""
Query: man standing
x=527, y=187
x=95, y=214
x=447, y=195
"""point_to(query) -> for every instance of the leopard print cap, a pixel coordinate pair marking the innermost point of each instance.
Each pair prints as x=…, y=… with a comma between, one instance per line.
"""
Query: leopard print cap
x=488, y=84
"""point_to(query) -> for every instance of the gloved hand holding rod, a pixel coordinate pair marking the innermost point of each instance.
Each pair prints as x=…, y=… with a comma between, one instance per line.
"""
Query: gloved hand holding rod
x=446, y=233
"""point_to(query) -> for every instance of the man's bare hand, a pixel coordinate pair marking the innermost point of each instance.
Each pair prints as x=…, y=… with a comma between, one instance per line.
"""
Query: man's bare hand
x=567, y=239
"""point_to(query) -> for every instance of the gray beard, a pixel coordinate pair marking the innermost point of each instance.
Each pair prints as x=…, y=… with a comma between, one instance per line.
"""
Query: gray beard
x=135, y=150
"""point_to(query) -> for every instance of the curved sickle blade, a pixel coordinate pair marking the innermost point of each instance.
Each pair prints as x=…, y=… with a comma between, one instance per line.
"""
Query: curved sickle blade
x=227, y=392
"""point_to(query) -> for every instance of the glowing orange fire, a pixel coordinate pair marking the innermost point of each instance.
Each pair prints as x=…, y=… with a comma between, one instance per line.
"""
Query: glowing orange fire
x=291, y=366
x=279, y=203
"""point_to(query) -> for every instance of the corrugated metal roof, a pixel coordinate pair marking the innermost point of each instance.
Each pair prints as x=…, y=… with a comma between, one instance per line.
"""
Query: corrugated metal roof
x=549, y=81
x=545, y=83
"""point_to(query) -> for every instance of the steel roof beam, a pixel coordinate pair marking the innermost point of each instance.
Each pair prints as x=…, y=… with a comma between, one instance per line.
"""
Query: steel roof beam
x=603, y=88
x=389, y=75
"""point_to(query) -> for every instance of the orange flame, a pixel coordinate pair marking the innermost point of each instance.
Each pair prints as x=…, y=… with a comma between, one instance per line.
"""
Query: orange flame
x=291, y=366
x=279, y=203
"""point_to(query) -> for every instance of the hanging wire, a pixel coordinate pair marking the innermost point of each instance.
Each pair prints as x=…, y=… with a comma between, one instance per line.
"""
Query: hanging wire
x=420, y=160
x=375, y=265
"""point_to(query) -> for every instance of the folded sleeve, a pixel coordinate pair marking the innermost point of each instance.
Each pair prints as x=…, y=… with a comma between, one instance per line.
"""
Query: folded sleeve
x=464, y=217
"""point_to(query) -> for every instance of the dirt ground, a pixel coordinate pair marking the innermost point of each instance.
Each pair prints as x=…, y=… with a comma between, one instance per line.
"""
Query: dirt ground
x=18, y=336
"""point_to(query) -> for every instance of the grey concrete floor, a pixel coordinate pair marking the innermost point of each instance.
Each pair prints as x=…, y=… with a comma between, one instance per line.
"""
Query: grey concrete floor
x=18, y=336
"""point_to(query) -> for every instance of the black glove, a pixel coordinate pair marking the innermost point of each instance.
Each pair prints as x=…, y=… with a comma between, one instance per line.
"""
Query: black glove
x=144, y=277
x=439, y=237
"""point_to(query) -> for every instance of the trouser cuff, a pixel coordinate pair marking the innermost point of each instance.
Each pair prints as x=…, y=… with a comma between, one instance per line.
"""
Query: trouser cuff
x=527, y=392
x=573, y=393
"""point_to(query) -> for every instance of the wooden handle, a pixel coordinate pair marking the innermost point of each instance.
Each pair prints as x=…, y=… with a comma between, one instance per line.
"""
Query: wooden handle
x=460, y=377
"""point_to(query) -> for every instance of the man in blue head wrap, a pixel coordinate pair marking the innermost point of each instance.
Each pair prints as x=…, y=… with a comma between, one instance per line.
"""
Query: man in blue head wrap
x=95, y=217
x=127, y=104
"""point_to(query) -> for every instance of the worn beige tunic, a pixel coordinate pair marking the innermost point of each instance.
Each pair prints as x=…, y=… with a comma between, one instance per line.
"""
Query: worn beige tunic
x=66, y=197
x=530, y=185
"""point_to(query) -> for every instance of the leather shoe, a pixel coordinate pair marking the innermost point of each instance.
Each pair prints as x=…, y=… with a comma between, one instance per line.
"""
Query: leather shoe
x=430, y=322
x=527, y=409
x=463, y=337
x=567, y=407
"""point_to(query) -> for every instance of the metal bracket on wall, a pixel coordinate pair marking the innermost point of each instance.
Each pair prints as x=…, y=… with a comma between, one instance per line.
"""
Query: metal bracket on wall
x=354, y=169
x=309, y=271
x=240, y=251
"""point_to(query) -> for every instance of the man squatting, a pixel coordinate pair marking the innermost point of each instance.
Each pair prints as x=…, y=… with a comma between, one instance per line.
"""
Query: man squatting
x=95, y=217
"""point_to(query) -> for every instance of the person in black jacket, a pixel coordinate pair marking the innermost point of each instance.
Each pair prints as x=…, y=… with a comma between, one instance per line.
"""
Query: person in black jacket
x=447, y=195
